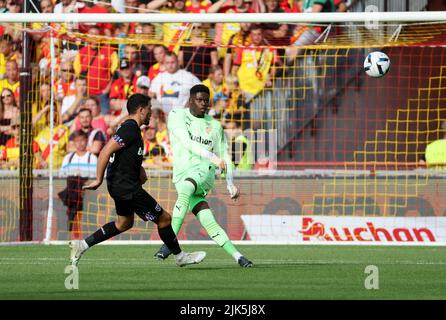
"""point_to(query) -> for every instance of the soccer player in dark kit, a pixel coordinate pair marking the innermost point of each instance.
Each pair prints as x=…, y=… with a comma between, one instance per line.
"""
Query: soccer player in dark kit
x=125, y=176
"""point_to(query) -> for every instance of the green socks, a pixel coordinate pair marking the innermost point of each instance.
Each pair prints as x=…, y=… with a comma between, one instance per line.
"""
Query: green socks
x=185, y=189
x=216, y=232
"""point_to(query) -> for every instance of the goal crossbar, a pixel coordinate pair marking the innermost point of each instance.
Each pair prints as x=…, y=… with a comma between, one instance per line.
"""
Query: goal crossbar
x=223, y=17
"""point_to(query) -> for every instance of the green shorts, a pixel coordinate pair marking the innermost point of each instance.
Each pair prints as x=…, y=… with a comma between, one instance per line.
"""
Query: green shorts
x=205, y=179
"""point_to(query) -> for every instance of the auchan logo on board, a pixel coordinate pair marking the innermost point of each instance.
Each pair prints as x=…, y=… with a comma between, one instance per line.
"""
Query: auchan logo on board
x=312, y=230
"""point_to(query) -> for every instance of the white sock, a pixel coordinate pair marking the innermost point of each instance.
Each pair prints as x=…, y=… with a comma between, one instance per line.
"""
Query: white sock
x=237, y=256
x=179, y=256
x=84, y=245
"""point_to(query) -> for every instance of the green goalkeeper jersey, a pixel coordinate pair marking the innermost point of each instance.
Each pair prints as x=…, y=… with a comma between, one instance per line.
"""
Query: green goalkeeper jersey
x=193, y=141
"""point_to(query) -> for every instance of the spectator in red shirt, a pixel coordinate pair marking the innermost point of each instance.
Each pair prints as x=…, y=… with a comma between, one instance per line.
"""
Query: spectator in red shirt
x=97, y=63
x=98, y=122
x=91, y=7
x=121, y=88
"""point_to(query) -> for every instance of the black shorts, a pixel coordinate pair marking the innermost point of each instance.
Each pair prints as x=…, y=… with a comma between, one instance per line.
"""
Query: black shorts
x=141, y=203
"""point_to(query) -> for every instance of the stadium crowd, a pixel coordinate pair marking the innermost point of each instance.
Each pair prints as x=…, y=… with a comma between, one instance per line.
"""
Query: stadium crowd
x=94, y=78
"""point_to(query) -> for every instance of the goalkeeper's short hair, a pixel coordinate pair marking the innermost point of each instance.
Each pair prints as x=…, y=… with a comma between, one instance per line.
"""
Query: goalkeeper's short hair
x=199, y=88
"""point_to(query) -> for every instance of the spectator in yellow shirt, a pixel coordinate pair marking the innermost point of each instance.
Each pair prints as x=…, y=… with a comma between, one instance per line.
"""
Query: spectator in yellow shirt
x=11, y=109
x=41, y=144
x=11, y=80
x=41, y=108
x=173, y=33
x=6, y=53
x=256, y=64
x=215, y=81
x=435, y=155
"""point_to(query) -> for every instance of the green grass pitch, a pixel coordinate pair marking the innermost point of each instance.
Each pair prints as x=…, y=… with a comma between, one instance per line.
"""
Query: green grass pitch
x=280, y=272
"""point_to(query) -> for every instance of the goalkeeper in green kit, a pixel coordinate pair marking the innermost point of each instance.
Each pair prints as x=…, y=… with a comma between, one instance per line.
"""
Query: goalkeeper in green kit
x=199, y=147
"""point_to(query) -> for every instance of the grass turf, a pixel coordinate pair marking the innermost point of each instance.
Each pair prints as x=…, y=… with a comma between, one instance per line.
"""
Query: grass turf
x=280, y=272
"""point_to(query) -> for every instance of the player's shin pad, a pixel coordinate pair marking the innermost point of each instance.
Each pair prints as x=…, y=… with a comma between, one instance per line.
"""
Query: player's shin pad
x=213, y=229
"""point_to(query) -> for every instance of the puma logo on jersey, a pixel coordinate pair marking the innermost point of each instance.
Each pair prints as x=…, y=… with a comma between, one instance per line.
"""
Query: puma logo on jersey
x=140, y=151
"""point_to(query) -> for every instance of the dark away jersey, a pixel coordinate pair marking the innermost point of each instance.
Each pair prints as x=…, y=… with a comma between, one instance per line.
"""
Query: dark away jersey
x=124, y=165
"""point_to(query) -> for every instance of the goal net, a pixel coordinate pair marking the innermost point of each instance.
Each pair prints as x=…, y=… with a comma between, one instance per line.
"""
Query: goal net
x=323, y=153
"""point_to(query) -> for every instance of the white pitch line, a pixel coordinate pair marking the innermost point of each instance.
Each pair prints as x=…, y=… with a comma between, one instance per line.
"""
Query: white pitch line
x=136, y=261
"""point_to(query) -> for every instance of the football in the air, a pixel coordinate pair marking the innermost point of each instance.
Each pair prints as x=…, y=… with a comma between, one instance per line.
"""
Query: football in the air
x=376, y=64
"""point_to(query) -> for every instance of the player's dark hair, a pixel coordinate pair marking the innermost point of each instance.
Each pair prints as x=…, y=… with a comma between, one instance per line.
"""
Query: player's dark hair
x=157, y=151
x=215, y=68
x=171, y=54
x=199, y=88
x=6, y=37
x=94, y=98
x=255, y=26
x=80, y=133
x=161, y=46
x=236, y=118
x=95, y=26
x=85, y=109
x=82, y=77
x=158, y=113
x=137, y=100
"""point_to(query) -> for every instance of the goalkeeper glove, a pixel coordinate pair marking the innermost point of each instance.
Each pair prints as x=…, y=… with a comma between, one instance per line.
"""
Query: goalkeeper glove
x=219, y=163
x=234, y=192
